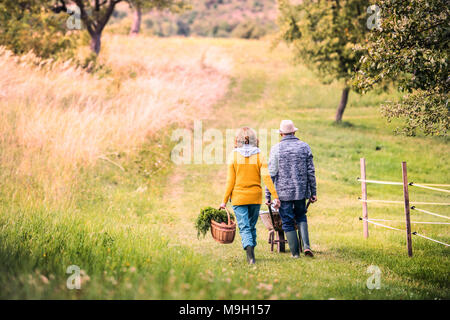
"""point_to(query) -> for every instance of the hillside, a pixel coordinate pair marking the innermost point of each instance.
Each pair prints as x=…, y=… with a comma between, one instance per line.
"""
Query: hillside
x=212, y=18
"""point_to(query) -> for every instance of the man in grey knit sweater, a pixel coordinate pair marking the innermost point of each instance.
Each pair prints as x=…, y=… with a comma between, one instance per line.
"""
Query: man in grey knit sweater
x=292, y=170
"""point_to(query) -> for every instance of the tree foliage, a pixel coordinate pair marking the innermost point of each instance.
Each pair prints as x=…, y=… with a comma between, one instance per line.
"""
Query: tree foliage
x=323, y=35
x=27, y=25
x=411, y=48
x=171, y=5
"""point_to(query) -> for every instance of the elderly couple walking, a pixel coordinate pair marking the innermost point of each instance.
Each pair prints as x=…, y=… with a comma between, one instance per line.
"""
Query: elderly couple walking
x=289, y=178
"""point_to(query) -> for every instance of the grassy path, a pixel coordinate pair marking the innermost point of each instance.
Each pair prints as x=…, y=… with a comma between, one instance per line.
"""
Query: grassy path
x=265, y=89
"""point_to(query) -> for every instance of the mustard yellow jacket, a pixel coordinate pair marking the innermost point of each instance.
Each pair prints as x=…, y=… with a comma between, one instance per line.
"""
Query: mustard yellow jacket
x=244, y=180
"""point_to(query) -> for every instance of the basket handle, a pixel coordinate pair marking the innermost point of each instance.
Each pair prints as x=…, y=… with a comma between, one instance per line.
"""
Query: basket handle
x=228, y=214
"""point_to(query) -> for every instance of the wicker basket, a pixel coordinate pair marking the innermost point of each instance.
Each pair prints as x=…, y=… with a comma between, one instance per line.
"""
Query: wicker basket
x=272, y=219
x=223, y=233
x=267, y=220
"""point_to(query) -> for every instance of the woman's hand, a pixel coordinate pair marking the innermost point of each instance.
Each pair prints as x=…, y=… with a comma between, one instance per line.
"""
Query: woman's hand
x=222, y=206
x=313, y=199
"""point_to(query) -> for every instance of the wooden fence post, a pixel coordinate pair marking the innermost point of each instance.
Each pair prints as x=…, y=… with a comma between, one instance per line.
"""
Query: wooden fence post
x=407, y=209
x=362, y=162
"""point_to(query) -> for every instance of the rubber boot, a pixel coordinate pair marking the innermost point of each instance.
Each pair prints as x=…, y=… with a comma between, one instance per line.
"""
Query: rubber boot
x=300, y=242
x=253, y=255
x=293, y=243
x=250, y=254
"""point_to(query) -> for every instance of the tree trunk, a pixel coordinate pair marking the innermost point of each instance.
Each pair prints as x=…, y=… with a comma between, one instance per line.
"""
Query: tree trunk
x=96, y=42
x=342, y=104
x=137, y=17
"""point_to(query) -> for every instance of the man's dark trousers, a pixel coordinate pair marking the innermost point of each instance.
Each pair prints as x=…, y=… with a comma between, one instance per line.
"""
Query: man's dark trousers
x=292, y=212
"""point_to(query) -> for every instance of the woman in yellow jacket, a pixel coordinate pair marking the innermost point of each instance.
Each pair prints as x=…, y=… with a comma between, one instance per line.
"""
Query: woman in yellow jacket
x=246, y=167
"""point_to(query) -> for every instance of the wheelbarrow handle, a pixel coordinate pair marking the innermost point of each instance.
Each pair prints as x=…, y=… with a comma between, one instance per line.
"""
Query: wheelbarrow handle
x=270, y=209
x=307, y=205
x=271, y=216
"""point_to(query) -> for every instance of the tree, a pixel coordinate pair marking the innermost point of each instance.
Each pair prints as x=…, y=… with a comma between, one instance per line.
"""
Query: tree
x=139, y=5
x=323, y=35
x=95, y=14
x=411, y=49
x=30, y=25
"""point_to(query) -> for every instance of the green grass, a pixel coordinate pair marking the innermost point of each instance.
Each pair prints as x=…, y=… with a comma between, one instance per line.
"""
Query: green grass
x=133, y=232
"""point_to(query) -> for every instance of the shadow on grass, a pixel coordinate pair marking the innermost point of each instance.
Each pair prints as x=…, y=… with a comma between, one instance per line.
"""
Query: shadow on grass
x=342, y=124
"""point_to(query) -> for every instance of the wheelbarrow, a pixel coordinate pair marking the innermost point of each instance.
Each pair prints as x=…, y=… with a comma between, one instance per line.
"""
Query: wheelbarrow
x=272, y=221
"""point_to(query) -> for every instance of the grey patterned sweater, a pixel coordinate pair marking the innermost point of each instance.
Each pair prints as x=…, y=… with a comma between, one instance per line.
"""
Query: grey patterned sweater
x=292, y=169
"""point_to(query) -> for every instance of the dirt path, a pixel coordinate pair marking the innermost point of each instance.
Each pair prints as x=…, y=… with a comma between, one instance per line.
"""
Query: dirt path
x=192, y=187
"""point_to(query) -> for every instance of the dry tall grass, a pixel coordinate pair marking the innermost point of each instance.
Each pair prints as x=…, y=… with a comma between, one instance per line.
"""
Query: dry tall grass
x=56, y=118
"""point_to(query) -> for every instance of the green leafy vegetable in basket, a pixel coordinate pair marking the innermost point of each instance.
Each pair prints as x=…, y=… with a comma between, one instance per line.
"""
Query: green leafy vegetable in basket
x=203, y=222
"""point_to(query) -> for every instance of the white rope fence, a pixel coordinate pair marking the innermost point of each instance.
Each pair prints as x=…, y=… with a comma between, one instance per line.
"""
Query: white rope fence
x=419, y=185
x=427, y=187
x=381, y=225
x=428, y=212
x=380, y=182
x=402, y=202
x=414, y=233
x=436, y=185
x=409, y=205
x=417, y=222
x=417, y=234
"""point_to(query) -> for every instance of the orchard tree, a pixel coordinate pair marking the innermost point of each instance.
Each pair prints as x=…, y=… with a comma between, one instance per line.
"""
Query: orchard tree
x=412, y=49
x=95, y=14
x=323, y=35
x=139, y=5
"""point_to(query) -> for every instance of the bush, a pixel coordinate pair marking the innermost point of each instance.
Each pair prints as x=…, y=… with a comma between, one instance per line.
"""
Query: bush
x=31, y=26
x=248, y=30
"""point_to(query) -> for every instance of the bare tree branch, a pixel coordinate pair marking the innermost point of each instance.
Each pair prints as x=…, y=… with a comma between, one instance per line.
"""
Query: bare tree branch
x=90, y=25
x=103, y=20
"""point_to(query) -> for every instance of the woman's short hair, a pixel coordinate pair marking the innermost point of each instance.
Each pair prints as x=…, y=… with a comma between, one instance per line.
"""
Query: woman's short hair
x=246, y=135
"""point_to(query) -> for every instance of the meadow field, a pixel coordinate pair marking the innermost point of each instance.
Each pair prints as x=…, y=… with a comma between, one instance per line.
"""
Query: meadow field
x=86, y=178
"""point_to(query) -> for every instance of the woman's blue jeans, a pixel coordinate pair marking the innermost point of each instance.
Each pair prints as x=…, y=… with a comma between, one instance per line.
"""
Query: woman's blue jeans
x=247, y=216
x=292, y=212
